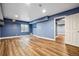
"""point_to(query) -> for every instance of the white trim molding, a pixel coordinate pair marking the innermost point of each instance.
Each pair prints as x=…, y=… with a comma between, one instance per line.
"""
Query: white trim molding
x=55, y=24
x=44, y=37
x=10, y=37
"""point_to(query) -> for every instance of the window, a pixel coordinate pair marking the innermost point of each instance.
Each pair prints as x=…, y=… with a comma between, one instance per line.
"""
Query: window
x=24, y=28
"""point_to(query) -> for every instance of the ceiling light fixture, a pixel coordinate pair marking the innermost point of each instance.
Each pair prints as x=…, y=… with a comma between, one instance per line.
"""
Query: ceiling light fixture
x=28, y=4
x=44, y=10
x=16, y=16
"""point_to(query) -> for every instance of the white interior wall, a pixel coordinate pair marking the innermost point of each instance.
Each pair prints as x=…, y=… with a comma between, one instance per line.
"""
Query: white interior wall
x=72, y=29
x=1, y=16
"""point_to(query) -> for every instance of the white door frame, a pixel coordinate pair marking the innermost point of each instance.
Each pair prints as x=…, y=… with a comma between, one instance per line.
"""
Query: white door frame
x=55, y=24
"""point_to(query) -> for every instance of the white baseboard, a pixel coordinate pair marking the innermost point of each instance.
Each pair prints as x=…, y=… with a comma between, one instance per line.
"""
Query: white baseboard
x=12, y=37
x=44, y=37
x=9, y=37
x=77, y=45
x=53, y=40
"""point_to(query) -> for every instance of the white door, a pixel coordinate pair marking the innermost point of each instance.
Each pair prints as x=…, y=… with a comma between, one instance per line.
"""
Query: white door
x=72, y=29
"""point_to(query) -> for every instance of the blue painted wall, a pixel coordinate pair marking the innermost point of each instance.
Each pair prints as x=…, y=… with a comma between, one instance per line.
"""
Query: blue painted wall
x=30, y=28
x=0, y=31
x=12, y=28
x=46, y=28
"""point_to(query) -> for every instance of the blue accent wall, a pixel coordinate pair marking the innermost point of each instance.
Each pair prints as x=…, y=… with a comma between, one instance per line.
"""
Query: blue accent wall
x=30, y=28
x=0, y=31
x=46, y=28
x=12, y=28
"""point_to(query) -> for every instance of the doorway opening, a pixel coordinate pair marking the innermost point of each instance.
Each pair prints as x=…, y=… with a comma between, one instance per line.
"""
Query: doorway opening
x=59, y=28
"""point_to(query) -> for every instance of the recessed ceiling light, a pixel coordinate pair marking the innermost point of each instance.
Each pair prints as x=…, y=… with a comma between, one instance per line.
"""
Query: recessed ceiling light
x=44, y=10
x=16, y=16
x=28, y=4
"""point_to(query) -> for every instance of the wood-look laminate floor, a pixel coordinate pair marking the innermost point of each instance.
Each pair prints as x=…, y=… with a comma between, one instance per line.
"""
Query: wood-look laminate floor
x=34, y=46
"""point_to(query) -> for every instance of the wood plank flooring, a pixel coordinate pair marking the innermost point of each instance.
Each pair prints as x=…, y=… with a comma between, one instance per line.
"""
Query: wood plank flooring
x=35, y=47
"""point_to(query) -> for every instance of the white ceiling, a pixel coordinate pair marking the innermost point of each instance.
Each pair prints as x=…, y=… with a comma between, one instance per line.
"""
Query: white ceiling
x=33, y=11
